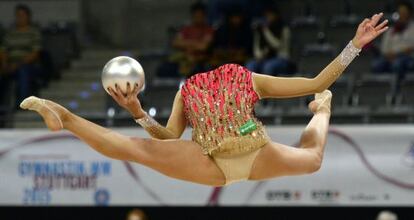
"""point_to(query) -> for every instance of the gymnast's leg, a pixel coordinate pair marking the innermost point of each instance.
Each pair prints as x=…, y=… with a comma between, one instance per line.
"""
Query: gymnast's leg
x=280, y=160
x=175, y=158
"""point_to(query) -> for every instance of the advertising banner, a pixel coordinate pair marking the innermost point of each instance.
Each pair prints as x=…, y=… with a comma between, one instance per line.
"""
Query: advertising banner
x=363, y=165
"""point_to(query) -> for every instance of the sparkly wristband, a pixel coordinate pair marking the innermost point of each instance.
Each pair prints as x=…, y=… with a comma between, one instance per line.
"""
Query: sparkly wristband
x=146, y=121
x=154, y=128
x=348, y=54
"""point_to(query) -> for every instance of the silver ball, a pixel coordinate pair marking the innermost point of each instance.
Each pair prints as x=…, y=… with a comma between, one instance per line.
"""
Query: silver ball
x=121, y=70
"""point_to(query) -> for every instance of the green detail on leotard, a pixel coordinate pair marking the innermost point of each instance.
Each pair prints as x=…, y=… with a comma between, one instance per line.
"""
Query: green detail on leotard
x=248, y=127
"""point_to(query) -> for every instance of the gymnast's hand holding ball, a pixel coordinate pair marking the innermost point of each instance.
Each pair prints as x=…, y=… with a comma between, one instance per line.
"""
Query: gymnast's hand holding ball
x=123, y=78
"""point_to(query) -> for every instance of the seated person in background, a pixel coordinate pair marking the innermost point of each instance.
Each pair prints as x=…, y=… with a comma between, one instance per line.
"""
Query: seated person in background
x=192, y=42
x=398, y=44
x=232, y=40
x=20, y=54
x=271, y=44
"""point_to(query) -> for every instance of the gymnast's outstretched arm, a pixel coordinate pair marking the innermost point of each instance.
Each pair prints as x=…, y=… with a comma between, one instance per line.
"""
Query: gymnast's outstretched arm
x=284, y=87
x=176, y=123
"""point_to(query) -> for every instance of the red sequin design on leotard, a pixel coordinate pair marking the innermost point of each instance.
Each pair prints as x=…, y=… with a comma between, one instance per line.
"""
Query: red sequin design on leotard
x=216, y=104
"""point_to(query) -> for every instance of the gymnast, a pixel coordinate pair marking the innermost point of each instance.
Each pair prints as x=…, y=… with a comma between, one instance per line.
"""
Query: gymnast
x=229, y=143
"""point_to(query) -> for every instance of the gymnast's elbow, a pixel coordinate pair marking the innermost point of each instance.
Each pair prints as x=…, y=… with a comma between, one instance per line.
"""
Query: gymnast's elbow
x=317, y=87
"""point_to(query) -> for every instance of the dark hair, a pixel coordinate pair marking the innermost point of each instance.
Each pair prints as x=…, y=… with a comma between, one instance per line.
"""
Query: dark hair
x=24, y=8
x=198, y=6
x=406, y=4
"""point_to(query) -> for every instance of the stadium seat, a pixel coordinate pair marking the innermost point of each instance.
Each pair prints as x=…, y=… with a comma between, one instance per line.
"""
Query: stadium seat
x=360, y=65
x=392, y=114
x=313, y=64
x=341, y=29
x=367, y=7
x=268, y=114
x=350, y=115
x=289, y=103
x=340, y=35
x=60, y=44
x=305, y=34
x=160, y=97
x=305, y=30
x=296, y=115
x=341, y=91
x=405, y=96
x=329, y=8
x=374, y=90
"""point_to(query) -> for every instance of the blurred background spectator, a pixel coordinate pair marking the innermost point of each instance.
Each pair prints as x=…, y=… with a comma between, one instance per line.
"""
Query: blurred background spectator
x=190, y=46
x=20, y=56
x=398, y=44
x=233, y=39
x=136, y=214
x=192, y=42
x=271, y=44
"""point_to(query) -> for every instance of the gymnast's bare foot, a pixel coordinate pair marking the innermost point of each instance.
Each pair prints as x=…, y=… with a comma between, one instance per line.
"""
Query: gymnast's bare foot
x=52, y=113
x=322, y=102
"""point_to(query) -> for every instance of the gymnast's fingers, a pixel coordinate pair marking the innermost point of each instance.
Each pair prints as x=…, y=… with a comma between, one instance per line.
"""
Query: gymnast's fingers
x=116, y=96
x=375, y=19
x=135, y=90
x=364, y=22
x=128, y=91
x=380, y=26
x=382, y=30
x=112, y=92
x=118, y=90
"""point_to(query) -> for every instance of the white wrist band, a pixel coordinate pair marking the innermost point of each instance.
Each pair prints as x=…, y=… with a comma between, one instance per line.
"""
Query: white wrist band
x=348, y=54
